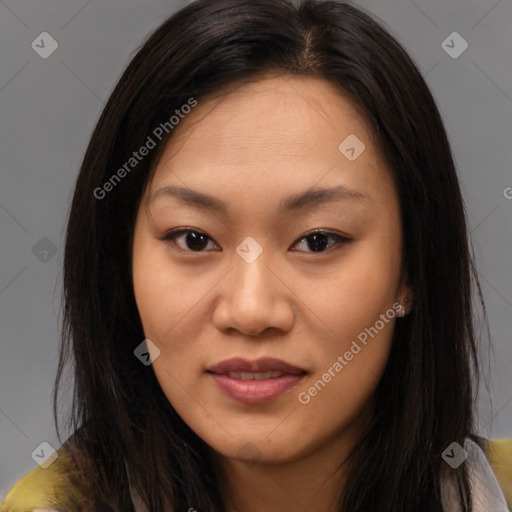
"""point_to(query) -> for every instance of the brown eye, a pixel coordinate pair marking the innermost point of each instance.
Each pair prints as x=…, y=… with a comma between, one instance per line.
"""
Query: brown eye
x=191, y=240
x=318, y=241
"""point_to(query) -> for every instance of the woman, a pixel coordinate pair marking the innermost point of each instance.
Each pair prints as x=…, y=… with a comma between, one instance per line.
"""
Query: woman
x=268, y=281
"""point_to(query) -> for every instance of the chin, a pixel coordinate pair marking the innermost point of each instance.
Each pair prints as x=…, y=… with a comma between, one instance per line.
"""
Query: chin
x=257, y=449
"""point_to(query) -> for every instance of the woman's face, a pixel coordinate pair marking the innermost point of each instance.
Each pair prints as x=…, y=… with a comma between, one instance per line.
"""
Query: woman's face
x=271, y=339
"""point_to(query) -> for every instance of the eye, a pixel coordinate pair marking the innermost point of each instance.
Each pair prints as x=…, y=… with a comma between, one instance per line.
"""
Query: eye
x=318, y=240
x=197, y=241
x=194, y=241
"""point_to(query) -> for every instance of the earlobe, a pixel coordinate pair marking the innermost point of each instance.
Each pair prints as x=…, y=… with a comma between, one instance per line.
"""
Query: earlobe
x=406, y=305
x=406, y=302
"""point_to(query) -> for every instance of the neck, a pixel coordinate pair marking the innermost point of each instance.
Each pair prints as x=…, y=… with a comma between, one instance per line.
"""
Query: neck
x=311, y=483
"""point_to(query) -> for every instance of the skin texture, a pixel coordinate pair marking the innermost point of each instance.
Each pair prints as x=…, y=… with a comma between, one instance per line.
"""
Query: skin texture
x=252, y=148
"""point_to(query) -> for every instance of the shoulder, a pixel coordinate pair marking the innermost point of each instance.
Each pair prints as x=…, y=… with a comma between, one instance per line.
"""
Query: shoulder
x=499, y=453
x=49, y=489
x=490, y=477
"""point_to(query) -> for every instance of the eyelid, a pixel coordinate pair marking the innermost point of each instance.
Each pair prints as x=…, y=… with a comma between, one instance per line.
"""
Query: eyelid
x=171, y=235
x=341, y=239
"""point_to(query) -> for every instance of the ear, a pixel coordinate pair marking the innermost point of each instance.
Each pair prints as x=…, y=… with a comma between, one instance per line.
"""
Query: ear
x=405, y=298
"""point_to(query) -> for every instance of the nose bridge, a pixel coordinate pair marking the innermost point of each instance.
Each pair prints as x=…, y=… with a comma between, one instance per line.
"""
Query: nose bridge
x=253, y=282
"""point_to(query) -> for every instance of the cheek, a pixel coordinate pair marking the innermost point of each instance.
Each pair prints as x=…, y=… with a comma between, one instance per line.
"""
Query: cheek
x=169, y=300
x=357, y=318
x=358, y=345
x=162, y=309
x=360, y=289
x=349, y=363
x=153, y=295
x=334, y=399
x=163, y=294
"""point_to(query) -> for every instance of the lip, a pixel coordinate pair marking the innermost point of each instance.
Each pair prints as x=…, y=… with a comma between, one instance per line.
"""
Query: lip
x=265, y=364
x=255, y=391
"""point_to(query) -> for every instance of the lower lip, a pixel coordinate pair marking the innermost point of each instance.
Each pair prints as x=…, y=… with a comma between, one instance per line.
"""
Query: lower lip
x=256, y=391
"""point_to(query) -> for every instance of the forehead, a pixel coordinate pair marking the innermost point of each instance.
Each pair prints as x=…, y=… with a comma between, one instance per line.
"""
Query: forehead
x=281, y=132
x=282, y=113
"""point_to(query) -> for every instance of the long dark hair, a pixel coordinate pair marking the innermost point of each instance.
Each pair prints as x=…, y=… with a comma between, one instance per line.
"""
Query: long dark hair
x=124, y=430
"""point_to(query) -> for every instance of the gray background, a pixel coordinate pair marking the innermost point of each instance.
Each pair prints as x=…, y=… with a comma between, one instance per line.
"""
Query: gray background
x=48, y=108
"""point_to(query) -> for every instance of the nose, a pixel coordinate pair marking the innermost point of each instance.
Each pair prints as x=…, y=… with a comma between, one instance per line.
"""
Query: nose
x=254, y=297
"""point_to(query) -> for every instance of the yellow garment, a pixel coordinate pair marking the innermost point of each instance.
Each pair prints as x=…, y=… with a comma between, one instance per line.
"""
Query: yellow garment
x=50, y=488
x=46, y=489
x=499, y=453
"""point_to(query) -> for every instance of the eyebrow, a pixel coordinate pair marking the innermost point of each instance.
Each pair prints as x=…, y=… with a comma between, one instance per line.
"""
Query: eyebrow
x=300, y=201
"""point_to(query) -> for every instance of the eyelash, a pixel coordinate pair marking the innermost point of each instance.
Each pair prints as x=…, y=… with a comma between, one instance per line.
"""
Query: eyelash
x=172, y=235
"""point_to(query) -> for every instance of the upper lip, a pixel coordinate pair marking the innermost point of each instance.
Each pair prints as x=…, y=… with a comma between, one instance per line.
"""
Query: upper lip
x=266, y=364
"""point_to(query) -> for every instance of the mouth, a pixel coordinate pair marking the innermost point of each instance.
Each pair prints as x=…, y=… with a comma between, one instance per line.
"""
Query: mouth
x=255, y=382
x=254, y=375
